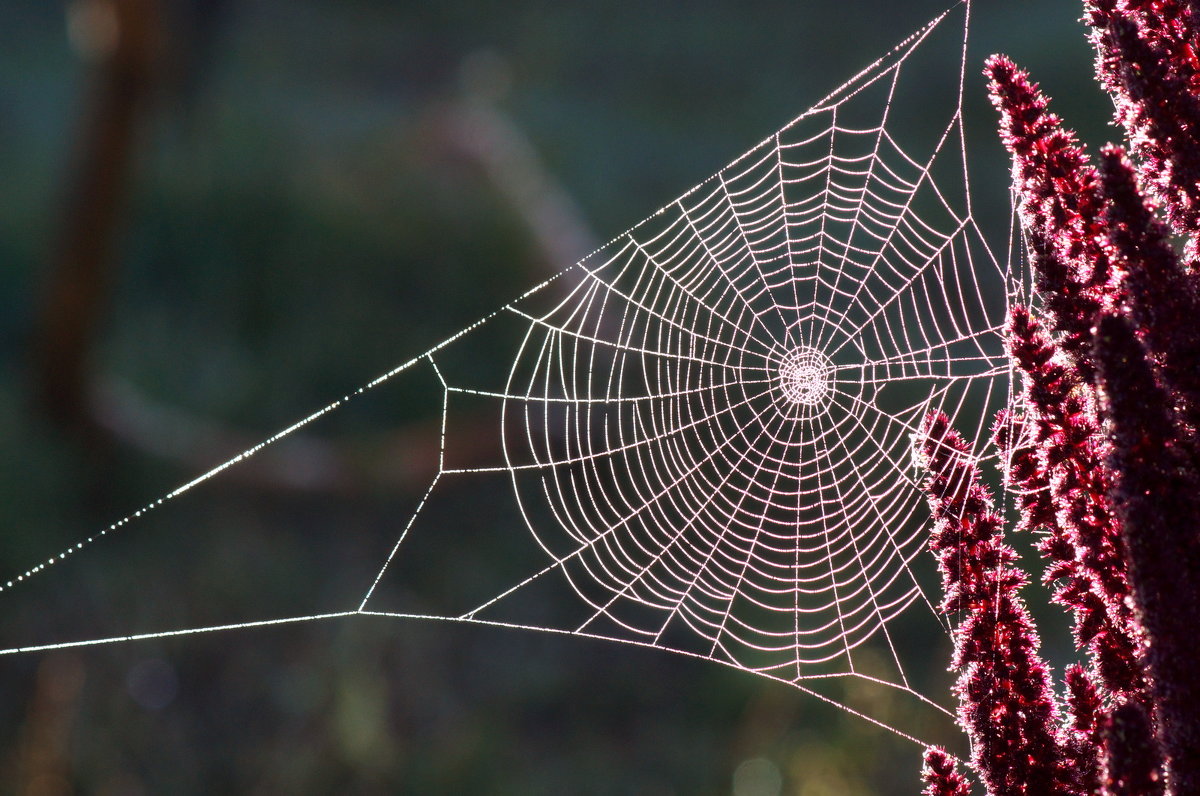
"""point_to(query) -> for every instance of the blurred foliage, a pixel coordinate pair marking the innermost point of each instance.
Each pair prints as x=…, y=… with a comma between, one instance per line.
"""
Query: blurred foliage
x=291, y=234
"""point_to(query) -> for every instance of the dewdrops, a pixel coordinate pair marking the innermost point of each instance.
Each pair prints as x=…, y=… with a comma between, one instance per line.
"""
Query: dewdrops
x=804, y=376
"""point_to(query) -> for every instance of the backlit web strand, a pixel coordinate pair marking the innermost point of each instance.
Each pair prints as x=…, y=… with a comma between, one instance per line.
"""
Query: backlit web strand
x=707, y=427
x=717, y=418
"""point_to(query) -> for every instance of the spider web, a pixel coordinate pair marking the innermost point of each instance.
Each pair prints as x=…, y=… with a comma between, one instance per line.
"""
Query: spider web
x=705, y=426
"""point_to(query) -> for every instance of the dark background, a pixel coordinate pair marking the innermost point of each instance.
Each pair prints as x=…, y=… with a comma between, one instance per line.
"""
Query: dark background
x=300, y=210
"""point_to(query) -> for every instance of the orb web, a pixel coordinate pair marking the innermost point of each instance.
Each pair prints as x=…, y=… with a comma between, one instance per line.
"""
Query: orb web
x=709, y=435
x=705, y=426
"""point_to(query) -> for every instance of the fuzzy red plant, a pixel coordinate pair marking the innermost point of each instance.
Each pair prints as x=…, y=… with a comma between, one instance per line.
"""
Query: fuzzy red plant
x=1060, y=207
x=1132, y=760
x=1158, y=497
x=1005, y=700
x=1148, y=59
x=940, y=775
x=1104, y=456
x=1083, y=542
x=1161, y=296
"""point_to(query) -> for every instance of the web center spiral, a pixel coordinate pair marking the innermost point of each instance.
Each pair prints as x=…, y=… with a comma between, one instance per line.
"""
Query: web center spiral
x=804, y=376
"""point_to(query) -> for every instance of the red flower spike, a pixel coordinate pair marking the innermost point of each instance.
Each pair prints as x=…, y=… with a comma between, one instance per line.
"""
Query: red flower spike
x=1060, y=208
x=1148, y=59
x=1131, y=755
x=1005, y=701
x=1083, y=545
x=1086, y=712
x=940, y=775
x=1162, y=299
x=1024, y=472
x=1157, y=495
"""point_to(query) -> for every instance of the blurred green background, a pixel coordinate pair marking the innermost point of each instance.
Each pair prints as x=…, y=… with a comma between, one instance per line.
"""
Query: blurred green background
x=316, y=191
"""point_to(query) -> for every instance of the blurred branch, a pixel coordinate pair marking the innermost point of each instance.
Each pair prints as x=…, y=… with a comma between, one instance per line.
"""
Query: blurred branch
x=472, y=130
x=42, y=757
x=121, y=39
x=484, y=136
x=403, y=458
